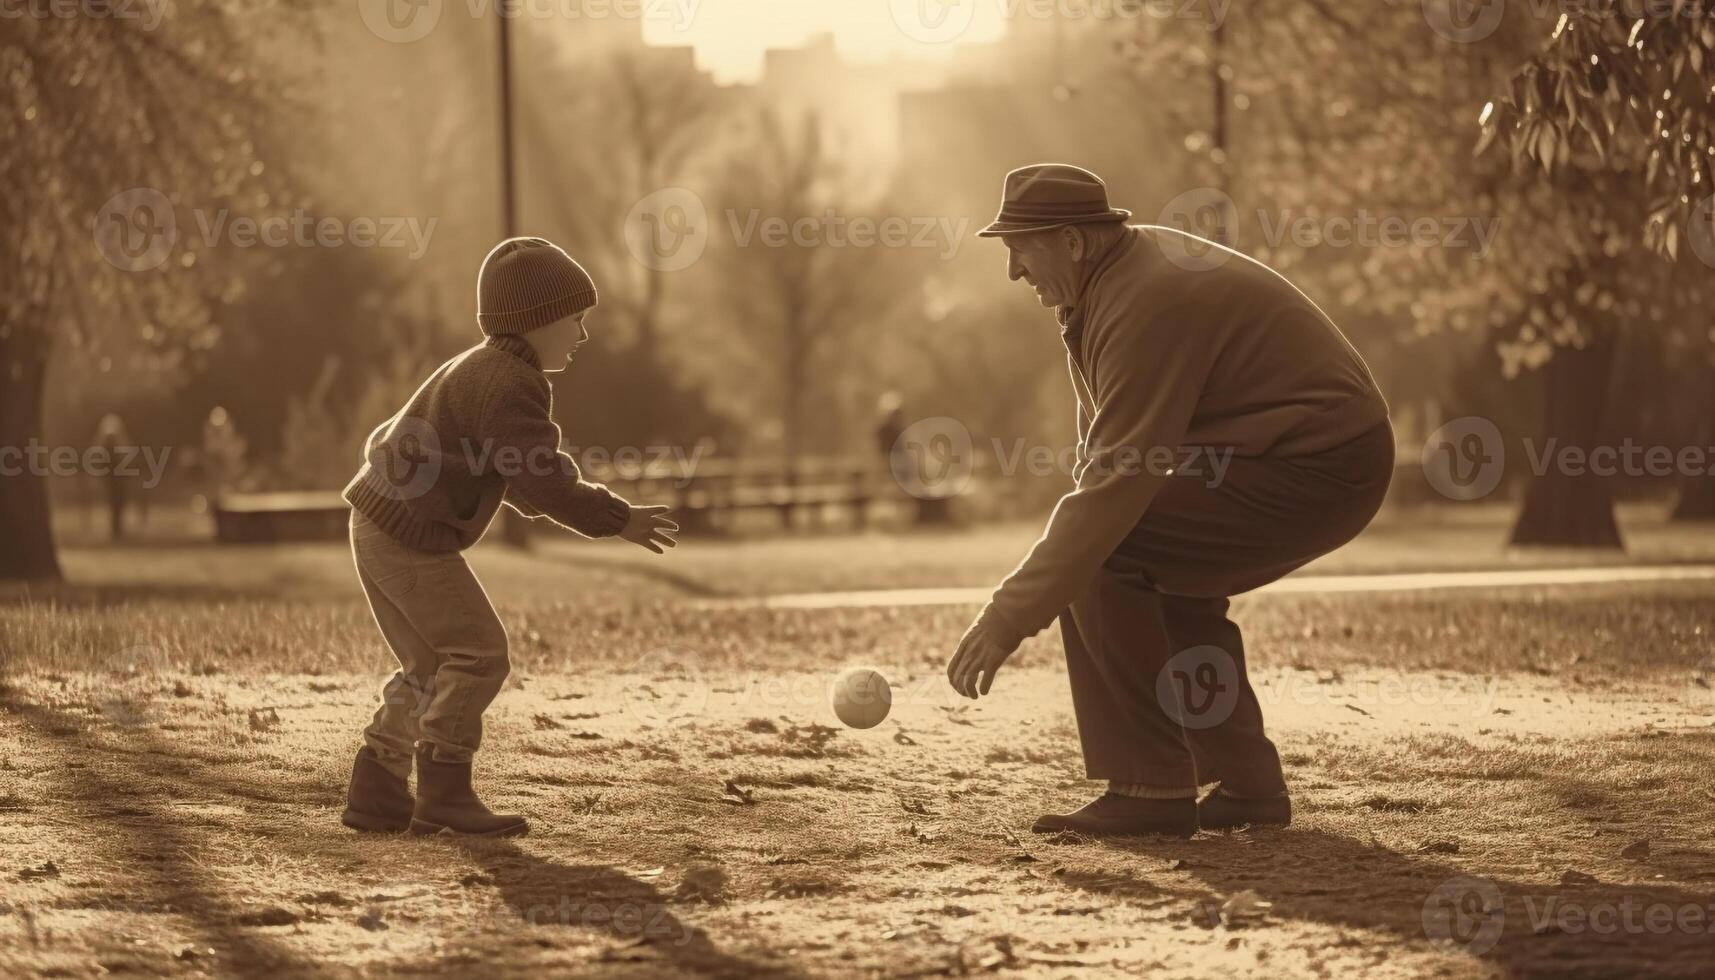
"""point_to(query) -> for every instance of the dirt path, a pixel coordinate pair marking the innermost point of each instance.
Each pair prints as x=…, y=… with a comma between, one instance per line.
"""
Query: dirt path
x=188, y=824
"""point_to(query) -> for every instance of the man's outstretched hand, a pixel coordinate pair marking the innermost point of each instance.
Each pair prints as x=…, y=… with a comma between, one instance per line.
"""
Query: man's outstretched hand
x=650, y=527
x=972, y=669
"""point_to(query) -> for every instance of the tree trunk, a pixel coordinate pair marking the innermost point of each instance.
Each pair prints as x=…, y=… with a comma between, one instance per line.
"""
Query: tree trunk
x=26, y=529
x=1697, y=490
x=1696, y=499
x=1563, y=509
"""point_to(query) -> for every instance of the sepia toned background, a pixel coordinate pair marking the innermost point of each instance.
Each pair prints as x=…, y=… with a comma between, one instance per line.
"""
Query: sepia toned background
x=235, y=235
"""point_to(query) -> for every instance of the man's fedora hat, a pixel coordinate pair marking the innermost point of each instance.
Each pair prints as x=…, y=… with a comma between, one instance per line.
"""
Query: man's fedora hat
x=1051, y=195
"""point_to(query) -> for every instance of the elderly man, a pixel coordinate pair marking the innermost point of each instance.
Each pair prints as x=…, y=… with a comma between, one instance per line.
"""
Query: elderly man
x=1227, y=434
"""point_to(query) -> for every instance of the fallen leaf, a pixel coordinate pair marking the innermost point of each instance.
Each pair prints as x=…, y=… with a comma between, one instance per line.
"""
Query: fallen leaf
x=372, y=921
x=47, y=869
x=1244, y=908
x=271, y=916
x=704, y=883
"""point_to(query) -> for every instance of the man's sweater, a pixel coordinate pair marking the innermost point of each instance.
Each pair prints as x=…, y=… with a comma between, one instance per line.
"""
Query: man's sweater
x=1169, y=358
x=478, y=433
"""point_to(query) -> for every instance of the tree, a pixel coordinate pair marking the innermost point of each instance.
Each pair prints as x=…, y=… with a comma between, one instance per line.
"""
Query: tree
x=1630, y=98
x=110, y=123
x=1355, y=106
x=642, y=118
x=798, y=295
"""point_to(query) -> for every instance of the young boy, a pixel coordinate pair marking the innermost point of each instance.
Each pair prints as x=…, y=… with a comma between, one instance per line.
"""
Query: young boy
x=478, y=433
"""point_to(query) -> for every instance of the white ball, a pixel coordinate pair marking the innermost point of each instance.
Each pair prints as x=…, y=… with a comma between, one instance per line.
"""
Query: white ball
x=862, y=697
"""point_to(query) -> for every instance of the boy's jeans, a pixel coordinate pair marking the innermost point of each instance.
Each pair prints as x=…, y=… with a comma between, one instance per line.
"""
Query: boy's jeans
x=450, y=644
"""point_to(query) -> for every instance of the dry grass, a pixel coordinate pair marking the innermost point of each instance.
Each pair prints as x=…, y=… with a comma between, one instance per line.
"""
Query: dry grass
x=178, y=725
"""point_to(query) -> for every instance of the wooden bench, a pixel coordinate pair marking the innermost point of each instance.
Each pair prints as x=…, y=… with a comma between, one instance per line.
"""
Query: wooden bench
x=708, y=494
x=705, y=496
x=271, y=518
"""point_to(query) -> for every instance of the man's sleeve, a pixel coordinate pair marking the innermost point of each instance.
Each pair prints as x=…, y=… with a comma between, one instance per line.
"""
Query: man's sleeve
x=1147, y=379
x=1079, y=459
x=541, y=479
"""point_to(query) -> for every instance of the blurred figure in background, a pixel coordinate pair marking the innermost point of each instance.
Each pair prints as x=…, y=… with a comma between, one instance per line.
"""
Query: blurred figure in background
x=110, y=435
x=223, y=452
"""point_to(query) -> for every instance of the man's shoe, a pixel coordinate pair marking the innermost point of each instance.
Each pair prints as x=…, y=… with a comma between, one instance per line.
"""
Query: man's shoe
x=1221, y=811
x=446, y=803
x=1113, y=815
x=378, y=799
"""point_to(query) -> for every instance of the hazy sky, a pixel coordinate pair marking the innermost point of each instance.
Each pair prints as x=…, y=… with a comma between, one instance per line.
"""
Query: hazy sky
x=730, y=35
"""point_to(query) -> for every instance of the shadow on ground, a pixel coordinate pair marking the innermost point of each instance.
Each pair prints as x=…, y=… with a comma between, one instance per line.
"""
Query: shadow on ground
x=163, y=876
x=1553, y=928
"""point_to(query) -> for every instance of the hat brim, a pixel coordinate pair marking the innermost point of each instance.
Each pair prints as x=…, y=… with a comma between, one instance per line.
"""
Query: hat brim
x=1003, y=226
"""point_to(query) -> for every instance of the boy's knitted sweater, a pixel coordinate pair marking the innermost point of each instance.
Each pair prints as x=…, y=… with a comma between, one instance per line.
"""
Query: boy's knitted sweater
x=478, y=433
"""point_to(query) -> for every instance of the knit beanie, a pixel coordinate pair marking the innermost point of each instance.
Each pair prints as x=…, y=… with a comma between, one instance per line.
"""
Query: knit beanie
x=527, y=283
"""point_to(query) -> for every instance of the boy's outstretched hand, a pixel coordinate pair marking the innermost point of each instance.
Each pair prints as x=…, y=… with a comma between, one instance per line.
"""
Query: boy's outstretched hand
x=650, y=527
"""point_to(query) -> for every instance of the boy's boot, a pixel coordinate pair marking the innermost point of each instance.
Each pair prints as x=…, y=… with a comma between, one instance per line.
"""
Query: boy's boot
x=446, y=803
x=378, y=799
